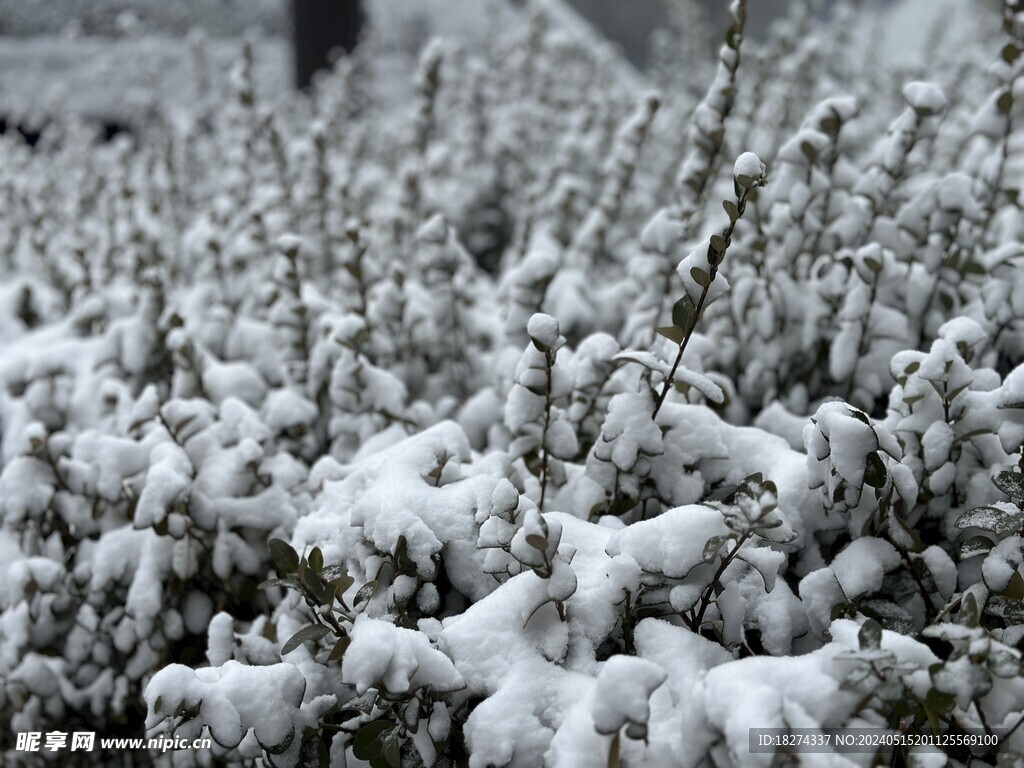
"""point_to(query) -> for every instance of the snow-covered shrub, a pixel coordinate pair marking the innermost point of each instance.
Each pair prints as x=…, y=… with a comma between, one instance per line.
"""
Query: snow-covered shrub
x=525, y=423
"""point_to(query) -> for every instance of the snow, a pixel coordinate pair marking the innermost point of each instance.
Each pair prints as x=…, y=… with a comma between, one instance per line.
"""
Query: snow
x=434, y=230
x=1001, y=563
x=662, y=232
x=402, y=659
x=624, y=687
x=937, y=443
x=861, y=566
x=543, y=329
x=232, y=699
x=942, y=568
x=748, y=166
x=628, y=431
x=849, y=440
x=471, y=437
x=926, y=98
x=672, y=543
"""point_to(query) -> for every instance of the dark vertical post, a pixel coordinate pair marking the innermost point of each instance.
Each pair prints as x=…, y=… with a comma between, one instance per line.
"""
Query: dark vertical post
x=320, y=27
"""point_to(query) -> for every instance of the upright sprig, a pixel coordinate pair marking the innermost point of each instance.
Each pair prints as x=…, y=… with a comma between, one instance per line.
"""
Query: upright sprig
x=675, y=224
x=708, y=136
x=699, y=270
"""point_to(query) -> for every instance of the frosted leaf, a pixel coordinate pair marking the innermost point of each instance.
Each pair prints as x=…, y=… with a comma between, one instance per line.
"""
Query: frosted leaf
x=748, y=169
x=842, y=355
x=820, y=591
x=672, y=543
x=286, y=409
x=168, y=479
x=543, y=329
x=955, y=193
x=849, y=440
x=942, y=569
x=964, y=679
x=963, y=330
x=562, y=583
x=936, y=443
x=234, y=379
x=440, y=722
x=766, y=561
x=26, y=488
x=1012, y=391
x=701, y=383
x=624, y=688
x=628, y=431
x=402, y=659
x=234, y=698
x=646, y=359
x=1001, y=563
x=289, y=242
x=942, y=479
x=560, y=439
x=925, y=98
x=662, y=232
x=433, y=230
x=860, y=567
x=220, y=639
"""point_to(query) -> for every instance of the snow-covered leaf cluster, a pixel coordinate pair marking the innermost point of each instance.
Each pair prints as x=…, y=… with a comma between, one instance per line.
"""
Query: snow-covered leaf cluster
x=528, y=422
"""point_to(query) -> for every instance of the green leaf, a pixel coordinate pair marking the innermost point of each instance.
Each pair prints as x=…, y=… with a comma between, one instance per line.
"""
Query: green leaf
x=970, y=615
x=939, y=701
x=286, y=559
x=732, y=210
x=1010, y=483
x=392, y=752
x=713, y=545
x=341, y=584
x=316, y=560
x=1005, y=102
x=314, y=753
x=973, y=268
x=875, y=473
x=870, y=635
x=282, y=746
x=309, y=578
x=859, y=415
x=683, y=312
x=1001, y=522
x=889, y=614
x=1008, y=609
x=1015, y=589
x=910, y=401
x=976, y=545
x=537, y=541
x=733, y=37
x=286, y=583
x=719, y=244
x=673, y=333
x=702, y=278
x=900, y=531
x=364, y=593
x=613, y=752
x=1010, y=53
x=312, y=632
x=367, y=743
x=338, y=652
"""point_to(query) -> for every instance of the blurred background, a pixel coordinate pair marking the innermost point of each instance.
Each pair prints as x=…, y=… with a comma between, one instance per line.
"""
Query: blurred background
x=112, y=60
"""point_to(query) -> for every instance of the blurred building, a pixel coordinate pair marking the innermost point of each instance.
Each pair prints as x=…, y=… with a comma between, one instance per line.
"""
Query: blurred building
x=630, y=23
